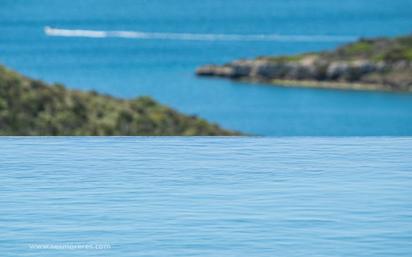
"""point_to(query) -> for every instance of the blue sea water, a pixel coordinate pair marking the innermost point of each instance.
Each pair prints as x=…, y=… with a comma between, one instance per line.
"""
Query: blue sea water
x=164, y=67
x=206, y=196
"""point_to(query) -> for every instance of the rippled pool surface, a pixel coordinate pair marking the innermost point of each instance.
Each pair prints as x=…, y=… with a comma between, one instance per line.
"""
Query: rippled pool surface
x=206, y=196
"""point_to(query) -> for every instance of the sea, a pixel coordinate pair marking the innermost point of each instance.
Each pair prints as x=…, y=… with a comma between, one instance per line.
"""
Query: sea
x=289, y=194
x=131, y=48
x=177, y=196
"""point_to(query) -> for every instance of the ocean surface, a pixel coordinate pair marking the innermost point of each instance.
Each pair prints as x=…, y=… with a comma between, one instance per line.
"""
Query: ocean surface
x=128, y=196
x=131, y=48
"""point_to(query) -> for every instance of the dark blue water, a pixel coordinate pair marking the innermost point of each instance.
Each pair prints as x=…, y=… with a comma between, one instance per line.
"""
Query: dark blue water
x=206, y=197
x=164, y=68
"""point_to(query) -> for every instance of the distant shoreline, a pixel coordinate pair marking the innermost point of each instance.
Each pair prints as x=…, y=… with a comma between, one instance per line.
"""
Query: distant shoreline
x=382, y=64
x=321, y=84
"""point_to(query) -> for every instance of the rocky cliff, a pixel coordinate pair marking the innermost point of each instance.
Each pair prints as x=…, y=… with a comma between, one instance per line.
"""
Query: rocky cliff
x=369, y=64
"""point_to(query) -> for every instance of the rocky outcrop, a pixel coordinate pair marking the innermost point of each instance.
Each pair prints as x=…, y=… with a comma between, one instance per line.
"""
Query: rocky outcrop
x=376, y=72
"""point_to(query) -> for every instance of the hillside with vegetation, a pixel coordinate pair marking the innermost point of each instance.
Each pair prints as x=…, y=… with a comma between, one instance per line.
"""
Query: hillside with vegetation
x=31, y=107
x=369, y=64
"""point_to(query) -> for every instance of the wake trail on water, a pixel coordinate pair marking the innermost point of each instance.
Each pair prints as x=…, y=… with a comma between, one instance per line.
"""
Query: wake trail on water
x=59, y=32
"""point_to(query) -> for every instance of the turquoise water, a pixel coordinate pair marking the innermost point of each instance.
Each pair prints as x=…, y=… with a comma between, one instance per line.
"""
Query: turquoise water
x=163, y=66
x=206, y=196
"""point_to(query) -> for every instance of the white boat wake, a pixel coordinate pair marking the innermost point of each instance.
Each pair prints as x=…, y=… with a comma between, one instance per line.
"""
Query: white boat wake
x=58, y=32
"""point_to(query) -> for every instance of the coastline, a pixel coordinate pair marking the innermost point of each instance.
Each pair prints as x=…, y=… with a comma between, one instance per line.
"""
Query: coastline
x=381, y=64
x=30, y=107
x=331, y=85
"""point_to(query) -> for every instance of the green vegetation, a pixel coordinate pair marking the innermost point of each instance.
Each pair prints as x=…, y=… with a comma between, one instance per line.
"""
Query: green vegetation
x=380, y=49
x=283, y=58
x=30, y=107
x=359, y=47
x=396, y=54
